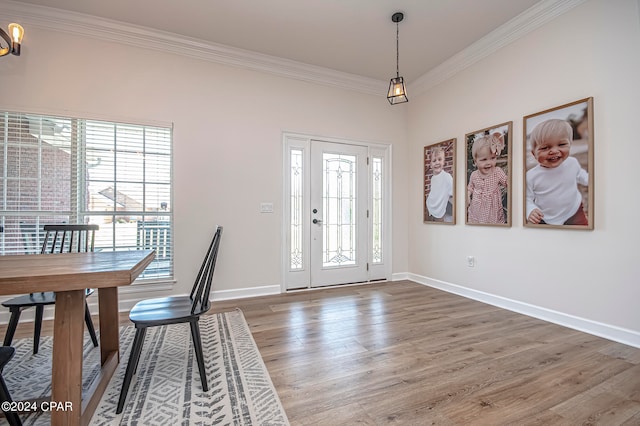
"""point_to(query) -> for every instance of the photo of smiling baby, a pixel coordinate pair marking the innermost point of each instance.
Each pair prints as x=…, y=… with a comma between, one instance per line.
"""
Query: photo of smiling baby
x=558, y=167
x=488, y=200
x=439, y=182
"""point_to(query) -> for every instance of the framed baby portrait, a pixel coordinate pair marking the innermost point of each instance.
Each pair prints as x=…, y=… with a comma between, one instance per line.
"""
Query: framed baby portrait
x=558, y=167
x=488, y=186
x=440, y=183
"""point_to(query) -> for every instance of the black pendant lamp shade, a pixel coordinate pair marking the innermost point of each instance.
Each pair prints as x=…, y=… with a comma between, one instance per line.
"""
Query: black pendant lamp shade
x=397, y=92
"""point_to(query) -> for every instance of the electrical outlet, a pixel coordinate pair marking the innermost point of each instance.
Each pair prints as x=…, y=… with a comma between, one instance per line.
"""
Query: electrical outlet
x=266, y=207
x=471, y=261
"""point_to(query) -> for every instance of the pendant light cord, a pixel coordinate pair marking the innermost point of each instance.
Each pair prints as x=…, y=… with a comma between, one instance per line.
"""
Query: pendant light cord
x=397, y=50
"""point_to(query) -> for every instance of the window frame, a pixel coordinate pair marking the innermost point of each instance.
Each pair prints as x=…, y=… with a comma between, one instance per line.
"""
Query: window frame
x=26, y=135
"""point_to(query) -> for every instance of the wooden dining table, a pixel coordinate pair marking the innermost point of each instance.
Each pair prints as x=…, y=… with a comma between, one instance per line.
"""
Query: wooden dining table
x=68, y=275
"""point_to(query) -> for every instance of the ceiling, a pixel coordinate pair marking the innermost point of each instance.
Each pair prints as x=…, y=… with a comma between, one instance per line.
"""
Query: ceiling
x=352, y=36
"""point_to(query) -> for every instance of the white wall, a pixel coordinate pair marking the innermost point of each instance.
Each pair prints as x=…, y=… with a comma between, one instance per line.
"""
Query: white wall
x=227, y=141
x=593, y=50
x=227, y=138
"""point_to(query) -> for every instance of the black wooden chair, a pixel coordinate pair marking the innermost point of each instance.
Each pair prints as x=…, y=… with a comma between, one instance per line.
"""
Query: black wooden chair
x=174, y=310
x=57, y=239
x=6, y=353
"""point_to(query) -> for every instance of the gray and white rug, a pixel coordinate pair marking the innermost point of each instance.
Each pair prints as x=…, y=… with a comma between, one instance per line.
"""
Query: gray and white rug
x=167, y=388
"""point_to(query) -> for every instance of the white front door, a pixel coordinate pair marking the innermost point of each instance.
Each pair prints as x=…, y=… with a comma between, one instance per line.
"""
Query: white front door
x=338, y=213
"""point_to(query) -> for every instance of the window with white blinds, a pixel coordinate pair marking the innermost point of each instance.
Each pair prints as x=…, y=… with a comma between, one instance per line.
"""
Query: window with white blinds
x=72, y=170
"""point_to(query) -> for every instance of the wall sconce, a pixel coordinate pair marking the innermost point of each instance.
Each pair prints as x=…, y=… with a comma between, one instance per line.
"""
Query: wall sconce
x=397, y=92
x=13, y=40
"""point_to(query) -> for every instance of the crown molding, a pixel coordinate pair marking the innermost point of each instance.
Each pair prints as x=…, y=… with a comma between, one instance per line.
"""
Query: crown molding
x=529, y=20
x=48, y=18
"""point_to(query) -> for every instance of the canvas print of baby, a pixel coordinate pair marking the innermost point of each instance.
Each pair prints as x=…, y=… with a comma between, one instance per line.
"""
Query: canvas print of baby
x=488, y=166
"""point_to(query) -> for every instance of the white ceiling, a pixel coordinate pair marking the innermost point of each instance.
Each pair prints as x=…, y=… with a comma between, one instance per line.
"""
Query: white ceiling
x=352, y=36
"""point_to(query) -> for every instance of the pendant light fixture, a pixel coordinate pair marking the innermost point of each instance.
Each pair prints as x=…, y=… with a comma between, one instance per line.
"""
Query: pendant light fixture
x=397, y=92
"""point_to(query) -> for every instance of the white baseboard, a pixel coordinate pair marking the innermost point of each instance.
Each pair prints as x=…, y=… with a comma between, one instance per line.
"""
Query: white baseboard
x=611, y=332
x=246, y=292
x=131, y=295
x=399, y=276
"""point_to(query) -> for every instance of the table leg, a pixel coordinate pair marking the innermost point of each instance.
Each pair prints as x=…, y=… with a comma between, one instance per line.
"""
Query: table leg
x=68, y=335
x=109, y=323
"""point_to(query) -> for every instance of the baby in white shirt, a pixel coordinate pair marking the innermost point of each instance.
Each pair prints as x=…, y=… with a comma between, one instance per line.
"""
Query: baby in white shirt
x=552, y=186
x=441, y=187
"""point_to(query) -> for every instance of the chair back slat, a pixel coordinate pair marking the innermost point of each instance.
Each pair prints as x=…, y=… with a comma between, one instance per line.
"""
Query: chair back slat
x=69, y=238
x=202, y=287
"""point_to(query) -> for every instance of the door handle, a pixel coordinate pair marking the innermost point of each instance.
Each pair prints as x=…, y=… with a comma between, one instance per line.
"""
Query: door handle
x=316, y=221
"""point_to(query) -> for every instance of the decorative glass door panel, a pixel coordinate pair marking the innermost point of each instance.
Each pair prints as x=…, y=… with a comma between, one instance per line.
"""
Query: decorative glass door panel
x=339, y=197
x=338, y=213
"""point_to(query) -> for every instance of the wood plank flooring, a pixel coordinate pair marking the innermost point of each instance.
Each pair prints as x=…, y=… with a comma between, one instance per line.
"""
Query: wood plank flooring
x=403, y=353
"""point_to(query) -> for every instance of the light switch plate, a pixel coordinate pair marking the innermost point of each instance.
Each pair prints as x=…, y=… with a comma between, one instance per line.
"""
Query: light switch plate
x=266, y=207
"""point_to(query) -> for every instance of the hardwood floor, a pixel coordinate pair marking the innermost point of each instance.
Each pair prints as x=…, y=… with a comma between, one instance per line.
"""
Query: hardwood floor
x=403, y=353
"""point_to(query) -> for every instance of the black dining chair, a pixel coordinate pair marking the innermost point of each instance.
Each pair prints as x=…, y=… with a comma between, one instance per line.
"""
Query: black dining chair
x=58, y=239
x=174, y=310
x=6, y=353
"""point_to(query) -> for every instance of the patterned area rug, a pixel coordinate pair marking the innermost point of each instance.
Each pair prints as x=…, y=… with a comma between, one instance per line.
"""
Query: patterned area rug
x=167, y=388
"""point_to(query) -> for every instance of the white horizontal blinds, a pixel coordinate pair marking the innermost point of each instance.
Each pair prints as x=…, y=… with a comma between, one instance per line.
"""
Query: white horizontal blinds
x=156, y=233
x=115, y=175
x=129, y=187
x=77, y=197
x=35, y=179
